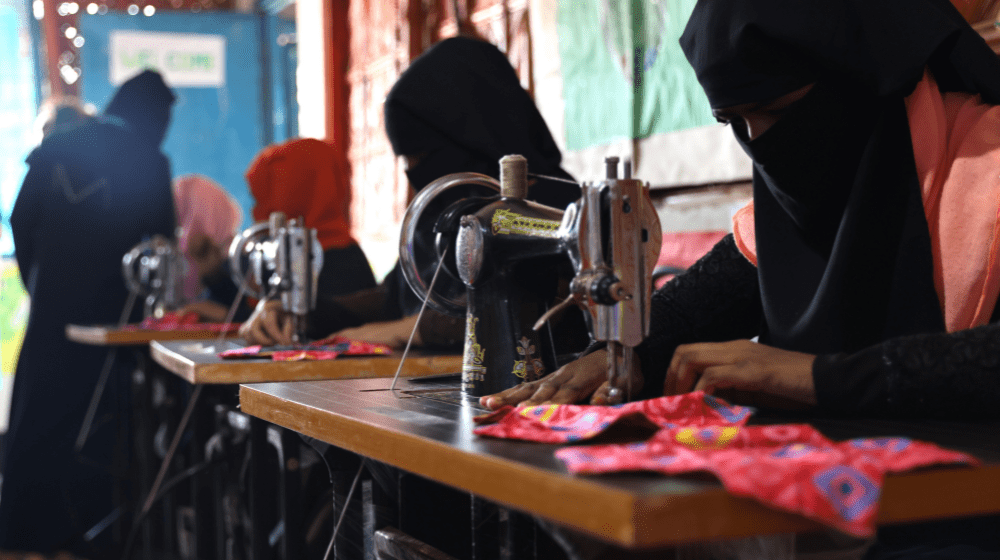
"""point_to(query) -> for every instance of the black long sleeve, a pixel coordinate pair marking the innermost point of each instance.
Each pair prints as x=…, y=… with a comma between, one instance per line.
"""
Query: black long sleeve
x=716, y=300
x=941, y=375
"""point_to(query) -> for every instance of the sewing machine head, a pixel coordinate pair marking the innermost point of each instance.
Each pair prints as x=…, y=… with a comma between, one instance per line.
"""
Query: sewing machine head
x=154, y=269
x=507, y=251
x=279, y=258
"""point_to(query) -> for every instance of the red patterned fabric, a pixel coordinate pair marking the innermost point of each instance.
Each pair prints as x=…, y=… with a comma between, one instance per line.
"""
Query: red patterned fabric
x=178, y=322
x=326, y=349
x=561, y=423
x=791, y=467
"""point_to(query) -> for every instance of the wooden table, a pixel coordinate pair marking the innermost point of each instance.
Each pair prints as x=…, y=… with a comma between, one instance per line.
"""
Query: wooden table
x=198, y=362
x=434, y=439
x=105, y=335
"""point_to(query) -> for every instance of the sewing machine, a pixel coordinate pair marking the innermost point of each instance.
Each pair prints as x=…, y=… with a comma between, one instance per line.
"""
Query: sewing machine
x=279, y=258
x=153, y=269
x=501, y=247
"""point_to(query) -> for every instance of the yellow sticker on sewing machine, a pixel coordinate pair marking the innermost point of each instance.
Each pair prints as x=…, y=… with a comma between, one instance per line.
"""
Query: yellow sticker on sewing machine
x=505, y=222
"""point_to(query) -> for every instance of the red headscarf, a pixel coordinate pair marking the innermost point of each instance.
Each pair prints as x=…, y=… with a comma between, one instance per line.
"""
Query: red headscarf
x=304, y=177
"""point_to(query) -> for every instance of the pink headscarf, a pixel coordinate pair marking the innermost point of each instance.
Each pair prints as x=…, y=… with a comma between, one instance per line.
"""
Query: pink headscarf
x=203, y=207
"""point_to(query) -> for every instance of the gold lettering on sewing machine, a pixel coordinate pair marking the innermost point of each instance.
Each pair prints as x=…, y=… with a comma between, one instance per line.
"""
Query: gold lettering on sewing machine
x=526, y=349
x=472, y=357
x=505, y=222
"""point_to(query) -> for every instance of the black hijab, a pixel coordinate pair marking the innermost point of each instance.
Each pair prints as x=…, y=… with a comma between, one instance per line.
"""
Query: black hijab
x=144, y=102
x=460, y=107
x=843, y=248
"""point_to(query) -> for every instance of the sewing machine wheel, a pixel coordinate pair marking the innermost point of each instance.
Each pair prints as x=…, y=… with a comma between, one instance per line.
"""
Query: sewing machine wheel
x=419, y=248
x=240, y=250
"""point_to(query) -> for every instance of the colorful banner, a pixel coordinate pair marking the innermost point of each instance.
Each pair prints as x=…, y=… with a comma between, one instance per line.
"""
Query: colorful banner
x=624, y=75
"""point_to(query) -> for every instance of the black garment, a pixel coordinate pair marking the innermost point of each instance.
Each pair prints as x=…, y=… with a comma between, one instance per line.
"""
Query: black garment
x=460, y=107
x=843, y=248
x=90, y=195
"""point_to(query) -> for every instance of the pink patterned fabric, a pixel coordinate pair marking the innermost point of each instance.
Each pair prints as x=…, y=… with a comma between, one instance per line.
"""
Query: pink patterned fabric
x=178, y=322
x=561, y=423
x=790, y=467
x=326, y=349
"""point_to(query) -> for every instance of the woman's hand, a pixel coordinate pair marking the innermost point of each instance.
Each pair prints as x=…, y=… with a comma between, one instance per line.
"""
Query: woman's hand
x=764, y=374
x=392, y=333
x=268, y=325
x=577, y=380
x=207, y=311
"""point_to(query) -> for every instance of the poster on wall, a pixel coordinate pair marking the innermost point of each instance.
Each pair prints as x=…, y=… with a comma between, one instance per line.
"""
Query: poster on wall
x=624, y=74
x=184, y=59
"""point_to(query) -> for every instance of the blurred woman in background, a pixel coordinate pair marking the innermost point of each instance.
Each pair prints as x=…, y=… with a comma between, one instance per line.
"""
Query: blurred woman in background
x=207, y=218
x=92, y=192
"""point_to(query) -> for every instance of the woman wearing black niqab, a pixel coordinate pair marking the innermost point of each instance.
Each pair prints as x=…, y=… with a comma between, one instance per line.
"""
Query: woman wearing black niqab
x=846, y=262
x=459, y=107
x=91, y=193
x=837, y=265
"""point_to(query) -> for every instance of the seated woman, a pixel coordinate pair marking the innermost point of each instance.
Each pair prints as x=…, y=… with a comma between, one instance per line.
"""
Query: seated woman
x=867, y=262
x=458, y=108
x=207, y=218
x=299, y=178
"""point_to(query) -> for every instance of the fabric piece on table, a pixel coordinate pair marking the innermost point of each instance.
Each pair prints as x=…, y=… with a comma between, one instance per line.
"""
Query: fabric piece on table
x=561, y=423
x=326, y=349
x=791, y=467
x=179, y=322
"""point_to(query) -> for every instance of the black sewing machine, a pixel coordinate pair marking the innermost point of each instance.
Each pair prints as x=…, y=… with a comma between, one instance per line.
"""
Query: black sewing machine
x=279, y=258
x=504, y=249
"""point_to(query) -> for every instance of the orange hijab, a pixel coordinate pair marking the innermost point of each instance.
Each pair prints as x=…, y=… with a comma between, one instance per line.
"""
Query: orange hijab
x=956, y=145
x=304, y=177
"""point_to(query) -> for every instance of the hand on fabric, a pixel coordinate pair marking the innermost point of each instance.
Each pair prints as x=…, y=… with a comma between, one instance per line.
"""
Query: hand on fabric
x=392, y=333
x=765, y=375
x=572, y=383
x=207, y=311
x=268, y=325
x=205, y=253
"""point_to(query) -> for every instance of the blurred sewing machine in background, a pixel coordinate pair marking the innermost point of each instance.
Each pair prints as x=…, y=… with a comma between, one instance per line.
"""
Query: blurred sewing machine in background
x=279, y=259
x=154, y=270
x=506, y=251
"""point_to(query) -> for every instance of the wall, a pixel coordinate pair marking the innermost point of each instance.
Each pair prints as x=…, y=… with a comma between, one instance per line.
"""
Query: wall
x=695, y=156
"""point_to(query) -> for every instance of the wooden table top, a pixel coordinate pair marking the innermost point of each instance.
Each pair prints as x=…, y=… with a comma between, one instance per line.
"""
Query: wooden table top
x=109, y=335
x=434, y=439
x=198, y=362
